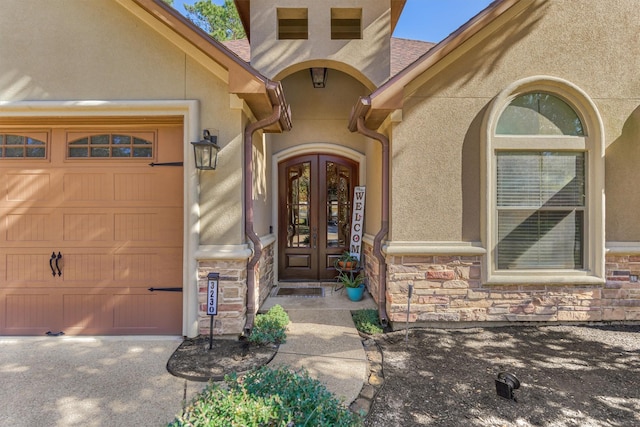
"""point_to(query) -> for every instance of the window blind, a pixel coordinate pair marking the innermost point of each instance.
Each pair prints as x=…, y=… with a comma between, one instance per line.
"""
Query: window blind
x=540, y=200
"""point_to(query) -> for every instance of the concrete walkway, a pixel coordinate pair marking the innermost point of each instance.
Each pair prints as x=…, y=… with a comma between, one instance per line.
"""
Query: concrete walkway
x=90, y=381
x=322, y=339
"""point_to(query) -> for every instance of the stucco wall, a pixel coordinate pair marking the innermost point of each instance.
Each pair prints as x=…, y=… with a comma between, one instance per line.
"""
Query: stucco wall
x=436, y=159
x=320, y=115
x=263, y=223
x=373, y=199
x=84, y=50
x=97, y=50
x=370, y=55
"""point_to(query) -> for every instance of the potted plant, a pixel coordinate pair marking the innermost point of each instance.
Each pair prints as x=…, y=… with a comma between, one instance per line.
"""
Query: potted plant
x=353, y=284
x=346, y=262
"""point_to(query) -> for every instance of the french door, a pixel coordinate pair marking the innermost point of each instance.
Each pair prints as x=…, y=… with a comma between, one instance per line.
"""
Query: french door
x=315, y=196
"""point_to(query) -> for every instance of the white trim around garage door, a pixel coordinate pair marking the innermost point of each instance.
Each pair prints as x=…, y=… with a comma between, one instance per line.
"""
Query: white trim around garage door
x=190, y=111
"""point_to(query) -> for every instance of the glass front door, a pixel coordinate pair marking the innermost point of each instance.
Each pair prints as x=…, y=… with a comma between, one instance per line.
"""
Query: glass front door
x=315, y=195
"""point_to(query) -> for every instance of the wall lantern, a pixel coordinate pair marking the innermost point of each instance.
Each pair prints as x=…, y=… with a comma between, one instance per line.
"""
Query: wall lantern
x=206, y=151
x=318, y=77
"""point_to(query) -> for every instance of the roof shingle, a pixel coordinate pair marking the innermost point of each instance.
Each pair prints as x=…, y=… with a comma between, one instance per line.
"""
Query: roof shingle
x=403, y=51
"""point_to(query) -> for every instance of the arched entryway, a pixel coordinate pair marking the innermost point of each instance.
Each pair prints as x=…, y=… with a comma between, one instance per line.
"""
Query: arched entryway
x=314, y=214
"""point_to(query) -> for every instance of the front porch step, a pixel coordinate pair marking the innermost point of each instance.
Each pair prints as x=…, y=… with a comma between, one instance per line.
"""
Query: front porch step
x=333, y=299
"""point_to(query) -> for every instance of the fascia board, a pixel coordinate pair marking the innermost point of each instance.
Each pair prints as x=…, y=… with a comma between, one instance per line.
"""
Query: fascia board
x=390, y=95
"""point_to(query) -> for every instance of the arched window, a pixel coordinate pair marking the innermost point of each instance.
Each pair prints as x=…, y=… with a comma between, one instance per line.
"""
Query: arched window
x=539, y=113
x=543, y=219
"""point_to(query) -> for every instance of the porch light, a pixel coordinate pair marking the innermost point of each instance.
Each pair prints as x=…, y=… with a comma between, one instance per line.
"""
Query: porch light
x=206, y=151
x=318, y=77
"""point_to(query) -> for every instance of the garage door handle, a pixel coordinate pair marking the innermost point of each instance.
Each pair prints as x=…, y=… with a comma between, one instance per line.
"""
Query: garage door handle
x=58, y=258
x=53, y=257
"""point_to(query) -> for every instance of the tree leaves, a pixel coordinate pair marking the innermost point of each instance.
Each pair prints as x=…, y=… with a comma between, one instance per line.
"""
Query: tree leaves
x=222, y=22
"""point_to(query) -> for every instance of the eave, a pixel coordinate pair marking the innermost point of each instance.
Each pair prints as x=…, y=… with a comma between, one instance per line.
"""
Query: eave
x=390, y=96
x=242, y=80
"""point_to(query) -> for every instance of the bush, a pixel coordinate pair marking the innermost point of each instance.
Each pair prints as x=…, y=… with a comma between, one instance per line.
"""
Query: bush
x=268, y=397
x=270, y=327
x=367, y=321
x=216, y=407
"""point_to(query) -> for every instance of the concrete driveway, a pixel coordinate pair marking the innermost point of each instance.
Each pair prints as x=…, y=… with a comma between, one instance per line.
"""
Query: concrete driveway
x=90, y=381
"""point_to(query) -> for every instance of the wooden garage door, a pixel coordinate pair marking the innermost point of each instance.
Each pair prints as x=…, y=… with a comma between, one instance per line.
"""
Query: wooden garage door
x=87, y=227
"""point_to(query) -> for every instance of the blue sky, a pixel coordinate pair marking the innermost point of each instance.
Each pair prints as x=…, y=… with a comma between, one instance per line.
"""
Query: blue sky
x=428, y=20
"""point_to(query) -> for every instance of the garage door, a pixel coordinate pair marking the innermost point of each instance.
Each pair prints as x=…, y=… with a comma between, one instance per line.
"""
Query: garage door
x=87, y=227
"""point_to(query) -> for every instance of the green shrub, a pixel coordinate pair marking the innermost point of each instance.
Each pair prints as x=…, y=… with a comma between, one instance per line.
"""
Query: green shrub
x=216, y=407
x=270, y=327
x=268, y=397
x=367, y=321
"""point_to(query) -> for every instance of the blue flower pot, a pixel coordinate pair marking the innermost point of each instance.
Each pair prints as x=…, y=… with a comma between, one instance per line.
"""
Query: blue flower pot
x=355, y=294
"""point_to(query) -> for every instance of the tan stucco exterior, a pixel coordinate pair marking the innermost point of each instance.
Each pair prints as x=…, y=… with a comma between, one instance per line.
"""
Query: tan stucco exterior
x=526, y=45
x=441, y=217
x=124, y=58
x=369, y=56
x=90, y=59
x=321, y=115
x=118, y=58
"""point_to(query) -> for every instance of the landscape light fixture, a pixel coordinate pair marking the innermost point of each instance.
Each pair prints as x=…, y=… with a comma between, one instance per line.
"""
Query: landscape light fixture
x=318, y=77
x=206, y=151
x=505, y=384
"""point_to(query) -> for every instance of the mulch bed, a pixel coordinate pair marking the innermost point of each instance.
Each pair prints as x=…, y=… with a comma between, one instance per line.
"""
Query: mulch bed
x=582, y=376
x=194, y=361
x=578, y=376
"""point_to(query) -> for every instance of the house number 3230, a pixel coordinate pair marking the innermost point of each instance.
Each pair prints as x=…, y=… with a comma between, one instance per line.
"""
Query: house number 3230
x=212, y=293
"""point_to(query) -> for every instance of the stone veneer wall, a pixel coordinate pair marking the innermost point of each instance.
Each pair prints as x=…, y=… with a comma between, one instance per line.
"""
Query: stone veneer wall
x=266, y=276
x=371, y=269
x=449, y=289
x=232, y=292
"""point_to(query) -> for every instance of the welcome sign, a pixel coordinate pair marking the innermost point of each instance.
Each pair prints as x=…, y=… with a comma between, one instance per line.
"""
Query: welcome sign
x=357, y=222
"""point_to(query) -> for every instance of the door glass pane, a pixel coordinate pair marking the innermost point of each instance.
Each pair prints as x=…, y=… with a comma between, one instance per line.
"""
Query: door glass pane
x=14, y=152
x=298, y=193
x=100, y=140
x=338, y=205
x=15, y=140
x=100, y=152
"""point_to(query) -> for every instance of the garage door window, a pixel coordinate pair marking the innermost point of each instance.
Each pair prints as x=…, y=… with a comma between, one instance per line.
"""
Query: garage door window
x=116, y=146
x=20, y=147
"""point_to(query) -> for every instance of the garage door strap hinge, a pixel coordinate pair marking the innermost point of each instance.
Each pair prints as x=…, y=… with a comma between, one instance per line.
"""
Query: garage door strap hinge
x=167, y=164
x=165, y=289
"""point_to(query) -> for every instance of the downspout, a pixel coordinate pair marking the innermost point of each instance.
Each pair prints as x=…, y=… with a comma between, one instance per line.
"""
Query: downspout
x=359, y=114
x=280, y=112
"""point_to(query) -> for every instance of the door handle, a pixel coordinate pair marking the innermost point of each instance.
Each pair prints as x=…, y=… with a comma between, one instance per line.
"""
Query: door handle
x=315, y=237
x=53, y=256
x=58, y=258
